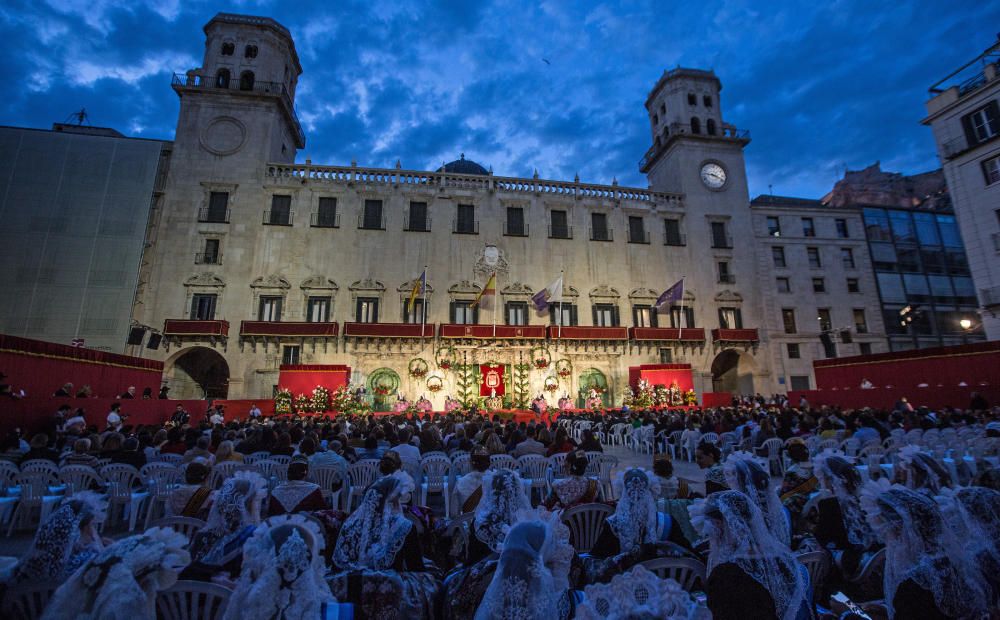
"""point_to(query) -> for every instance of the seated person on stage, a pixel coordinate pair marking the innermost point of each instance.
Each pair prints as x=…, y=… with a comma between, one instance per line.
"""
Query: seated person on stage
x=841, y=525
x=708, y=457
x=751, y=574
x=746, y=474
x=296, y=494
x=928, y=573
x=218, y=547
x=469, y=488
x=575, y=489
x=193, y=498
x=671, y=487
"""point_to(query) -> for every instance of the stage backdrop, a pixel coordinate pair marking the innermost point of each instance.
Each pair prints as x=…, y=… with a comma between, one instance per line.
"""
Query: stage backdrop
x=491, y=378
x=303, y=378
x=40, y=368
x=662, y=374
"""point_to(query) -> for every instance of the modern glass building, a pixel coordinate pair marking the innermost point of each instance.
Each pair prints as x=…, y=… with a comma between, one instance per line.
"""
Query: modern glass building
x=928, y=298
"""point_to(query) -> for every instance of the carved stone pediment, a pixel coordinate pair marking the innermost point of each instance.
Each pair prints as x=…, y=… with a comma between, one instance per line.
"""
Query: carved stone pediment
x=464, y=287
x=729, y=296
x=569, y=291
x=271, y=281
x=517, y=288
x=643, y=293
x=604, y=292
x=368, y=284
x=205, y=279
x=319, y=283
x=407, y=286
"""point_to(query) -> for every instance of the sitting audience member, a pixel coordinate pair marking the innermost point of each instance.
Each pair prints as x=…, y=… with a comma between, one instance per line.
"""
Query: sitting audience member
x=469, y=488
x=751, y=575
x=590, y=442
x=129, y=454
x=841, y=525
x=530, y=445
x=175, y=442
x=193, y=498
x=200, y=451
x=707, y=456
x=234, y=516
x=65, y=391
x=85, y=392
x=296, y=494
x=64, y=542
x=974, y=515
x=284, y=446
x=576, y=488
x=671, y=487
x=503, y=499
x=371, y=449
x=122, y=580
x=39, y=449
x=799, y=481
x=562, y=444
x=81, y=455
x=746, y=474
x=921, y=472
x=928, y=575
x=225, y=452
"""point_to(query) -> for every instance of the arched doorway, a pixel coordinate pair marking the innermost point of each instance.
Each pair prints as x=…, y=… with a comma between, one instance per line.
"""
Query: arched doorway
x=732, y=372
x=592, y=378
x=198, y=372
x=383, y=385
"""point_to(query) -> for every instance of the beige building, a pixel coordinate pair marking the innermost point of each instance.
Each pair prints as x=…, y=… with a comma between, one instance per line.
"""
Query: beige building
x=964, y=114
x=817, y=286
x=258, y=261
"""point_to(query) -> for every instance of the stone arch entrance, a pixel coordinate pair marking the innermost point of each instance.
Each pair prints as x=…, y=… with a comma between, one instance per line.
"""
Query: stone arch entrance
x=383, y=385
x=732, y=372
x=592, y=378
x=198, y=372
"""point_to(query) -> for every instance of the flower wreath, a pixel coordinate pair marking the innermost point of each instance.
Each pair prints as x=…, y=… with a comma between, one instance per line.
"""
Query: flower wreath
x=564, y=368
x=435, y=383
x=541, y=358
x=551, y=384
x=445, y=357
x=418, y=368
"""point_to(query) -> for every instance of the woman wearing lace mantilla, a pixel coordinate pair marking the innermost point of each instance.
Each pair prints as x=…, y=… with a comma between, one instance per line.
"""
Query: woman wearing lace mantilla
x=744, y=473
x=235, y=513
x=66, y=540
x=575, y=489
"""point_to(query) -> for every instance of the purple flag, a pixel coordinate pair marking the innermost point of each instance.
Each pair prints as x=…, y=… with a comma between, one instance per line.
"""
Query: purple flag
x=551, y=293
x=673, y=294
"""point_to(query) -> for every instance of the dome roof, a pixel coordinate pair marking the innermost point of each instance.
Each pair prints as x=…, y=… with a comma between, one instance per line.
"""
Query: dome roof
x=464, y=166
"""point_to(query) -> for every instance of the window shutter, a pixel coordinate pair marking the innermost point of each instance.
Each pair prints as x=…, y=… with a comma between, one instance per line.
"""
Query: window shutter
x=970, y=135
x=573, y=320
x=722, y=320
x=593, y=314
x=652, y=317
x=993, y=116
x=615, y=322
x=739, y=318
x=357, y=310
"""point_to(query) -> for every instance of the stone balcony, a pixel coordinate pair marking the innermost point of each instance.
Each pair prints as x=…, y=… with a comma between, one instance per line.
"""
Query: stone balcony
x=489, y=332
x=667, y=334
x=178, y=331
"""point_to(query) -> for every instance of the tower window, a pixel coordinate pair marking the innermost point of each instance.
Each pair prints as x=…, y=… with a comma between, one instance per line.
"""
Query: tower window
x=707, y=101
x=656, y=119
x=663, y=108
x=246, y=80
x=250, y=51
x=692, y=99
x=710, y=126
x=695, y=125
x=222, y=78
x=228, y=48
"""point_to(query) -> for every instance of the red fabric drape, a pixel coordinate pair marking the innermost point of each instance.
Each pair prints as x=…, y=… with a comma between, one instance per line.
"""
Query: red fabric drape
x=491, y=378
x=303, y=378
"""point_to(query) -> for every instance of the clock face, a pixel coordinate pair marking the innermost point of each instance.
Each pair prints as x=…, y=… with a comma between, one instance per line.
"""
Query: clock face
x=713, y=175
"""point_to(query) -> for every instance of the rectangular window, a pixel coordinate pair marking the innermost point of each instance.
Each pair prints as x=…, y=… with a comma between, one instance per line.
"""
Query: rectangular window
x=269, y=308
x=515, y=222
x=290, y=355
x=516, y=312
x=326, y=213
x=852, y=285
x=605, y=315
x=847, y=257
x=842, y=228
x=465, y=220
x=784, y=285
x=203, y=307
x=218, y=208
x=865, y=347
x=800, y=382
x=793, y=351
x=675, y=317
x=982, y=124
x=599, y=227
x=778, y=256
x=720, y=239
x=318, y=309
x=462, y=313
x=860, y=322
x=814, y=261
x=819, y=285
x=637, y=230
x=724, y=276
x=991, y=170
x=416, y=315
x=666, y=355
x=707, y=100
x=773, y=226
x=211, y=254
x=643, y=316
x=558, y=225
x=825, y=322
x=569, y=316
x=692, y=99
x=280, y=213
x=730, y=318
x=418, y=221
x=788, y=320
x=366, y=310
x=808, y=228
x=371, y=218
x=672, y=232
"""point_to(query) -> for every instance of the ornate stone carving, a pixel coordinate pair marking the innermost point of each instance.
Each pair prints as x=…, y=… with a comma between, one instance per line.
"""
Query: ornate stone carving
x=604, y=292
x=729, y=296
x=643, y=293
x=205, y=279
x=407, y=286
x=368, y=284
x=491, y=259
x=271, y=281
x=319, y=283
x=464, y=287
x=223, y=135
x=517, y=288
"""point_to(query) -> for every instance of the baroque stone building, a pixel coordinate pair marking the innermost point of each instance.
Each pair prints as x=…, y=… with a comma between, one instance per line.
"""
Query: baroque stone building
x=256, y=260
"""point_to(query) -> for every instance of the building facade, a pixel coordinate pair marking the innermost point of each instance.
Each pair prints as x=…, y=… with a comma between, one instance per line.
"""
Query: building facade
x=74, y=202
x=258, y=261
x=964, y=114
x=820, y=298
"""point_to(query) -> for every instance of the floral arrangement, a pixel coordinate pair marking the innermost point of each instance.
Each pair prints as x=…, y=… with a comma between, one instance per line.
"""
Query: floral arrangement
x=628, y=398
x=303, y=404
x=445, y=357
x=401, y=406
x=645, y=396
x=435, y=384
x=564, y=368
x=551, y=385
x=541, y=358
x=540, y=404
x=690, y=397
x=283, y=402
x=418, y=368
x=595, y=403
x=565, y=403
x=424, y=406
x=341, y=399
x=450, y=404
x=661, y=396
x=320, y=399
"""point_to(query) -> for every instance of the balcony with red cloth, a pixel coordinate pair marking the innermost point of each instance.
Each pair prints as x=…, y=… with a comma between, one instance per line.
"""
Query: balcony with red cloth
x=188, y=330
x=389, y=330
x=667, y=334
x=486, y=332
x=292, y=329
x=738, y=336
x=587, y=333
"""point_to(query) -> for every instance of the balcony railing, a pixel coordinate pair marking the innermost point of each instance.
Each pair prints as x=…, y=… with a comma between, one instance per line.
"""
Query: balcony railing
x=371, y=223
x=278, y=329
x=602, y=234
x=417, y=225
x=324, y=220
x=215, y=216
x=734, y=335
x=722, y=242
x=638, y=237
x=208, y=258
x=667, y=334
x=674, y=240
x=560, y=232
x=515, y=231
x=727, y=278
x=532, y=332
x=465, y=227
x=556, y=332
x=195, y=327
x=389, y=330
x=277, y=217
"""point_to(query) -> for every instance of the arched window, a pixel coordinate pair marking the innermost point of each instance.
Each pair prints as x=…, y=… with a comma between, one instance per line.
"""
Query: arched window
x=695, y=125
x=222, y=78
x=250, y=51
x=246, y=80
x=710, y=126
x=228, y=48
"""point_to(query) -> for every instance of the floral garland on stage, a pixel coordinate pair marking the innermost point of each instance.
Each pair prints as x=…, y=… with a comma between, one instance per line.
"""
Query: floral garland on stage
x=303, y=404
x=564, y=368
x=445, y=357
x=283, y=402
x=418, y=368
x=435, y=384
x=541, y=358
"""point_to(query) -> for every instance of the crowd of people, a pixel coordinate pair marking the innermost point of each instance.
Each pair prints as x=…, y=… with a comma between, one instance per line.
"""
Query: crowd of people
x=901, y=535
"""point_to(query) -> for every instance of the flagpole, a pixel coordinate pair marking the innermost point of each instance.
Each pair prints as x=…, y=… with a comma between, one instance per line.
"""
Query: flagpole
x=423, y=303
x=683, y=319
x=496, y=293
x=562, y=289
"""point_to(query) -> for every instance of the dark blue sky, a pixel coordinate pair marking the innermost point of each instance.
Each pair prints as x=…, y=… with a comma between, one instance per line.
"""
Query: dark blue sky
x=820, y=85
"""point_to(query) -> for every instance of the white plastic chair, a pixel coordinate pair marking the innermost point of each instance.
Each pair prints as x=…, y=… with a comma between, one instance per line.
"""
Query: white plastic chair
x=78, y=478
x=173, y=459
x=327, y=478
x=161, y=479
x=818, y=565
x=773, y=447
x=435, y=470
x=688, y=572
x=557, y=467
x=122, y=482
x=534, y=469
x=607, y=464
x=34, y=496
x=284, y=459
x=360, y=475
x=584, y=522
x=256, y=456
x=674, y=443
x=186, y=526
x=503, y=461
x=192, y=600
x=221, y=471
x=272, y=470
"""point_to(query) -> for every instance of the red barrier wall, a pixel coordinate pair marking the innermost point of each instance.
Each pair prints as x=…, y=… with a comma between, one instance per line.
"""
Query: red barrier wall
x=717, y=399
x=35, y=414
x=241, y=408
x=40, y=368
x=303, y=378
